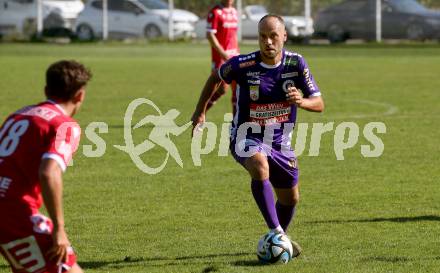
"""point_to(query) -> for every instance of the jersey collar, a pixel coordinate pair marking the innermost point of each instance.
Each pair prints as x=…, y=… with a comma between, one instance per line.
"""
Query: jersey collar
x=57, y=106
x=272, y=66
x=224, y=7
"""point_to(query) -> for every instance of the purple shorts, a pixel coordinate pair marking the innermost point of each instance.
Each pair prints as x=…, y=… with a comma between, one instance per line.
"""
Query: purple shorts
x=283, y=166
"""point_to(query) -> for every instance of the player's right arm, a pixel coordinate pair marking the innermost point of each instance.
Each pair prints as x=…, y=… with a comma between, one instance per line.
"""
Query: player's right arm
x=208, y=90
x=212, y=28
x=228, y=72
x=50, y=174
x=215, y=44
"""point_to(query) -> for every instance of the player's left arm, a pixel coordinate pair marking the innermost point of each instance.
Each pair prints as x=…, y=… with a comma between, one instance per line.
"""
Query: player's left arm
x=307, y=95
x=62, y=144
x=50, y=174
x=313, y=104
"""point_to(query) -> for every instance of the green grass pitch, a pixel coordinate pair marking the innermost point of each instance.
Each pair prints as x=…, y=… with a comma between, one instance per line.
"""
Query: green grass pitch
x=355, y=215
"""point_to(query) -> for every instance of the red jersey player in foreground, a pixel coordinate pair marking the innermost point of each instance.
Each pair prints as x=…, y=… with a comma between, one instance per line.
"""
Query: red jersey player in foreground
x=222, y=36
x=36, y=144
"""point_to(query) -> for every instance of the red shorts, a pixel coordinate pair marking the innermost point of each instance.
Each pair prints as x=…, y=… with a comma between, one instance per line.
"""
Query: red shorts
x=216, y=64
x=25, y=243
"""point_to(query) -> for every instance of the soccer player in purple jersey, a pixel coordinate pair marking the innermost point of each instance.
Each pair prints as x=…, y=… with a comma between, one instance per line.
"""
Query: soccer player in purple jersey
x=272, y=84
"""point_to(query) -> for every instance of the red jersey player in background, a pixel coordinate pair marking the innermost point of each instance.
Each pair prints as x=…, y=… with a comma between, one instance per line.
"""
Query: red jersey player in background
x=36, y=144
x=222, y=36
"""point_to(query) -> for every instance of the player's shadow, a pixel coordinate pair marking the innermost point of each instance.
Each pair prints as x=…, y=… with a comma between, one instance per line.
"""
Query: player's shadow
x=398, y=259
x=218, y=255
x=248, y=263
x=159, y=261
x=118, y=263
x=422, y=218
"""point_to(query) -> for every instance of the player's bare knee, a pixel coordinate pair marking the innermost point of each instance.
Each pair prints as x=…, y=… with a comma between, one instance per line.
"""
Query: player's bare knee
x=291, y=201
x=294, y=201
x=258, y=167
x=288, y=197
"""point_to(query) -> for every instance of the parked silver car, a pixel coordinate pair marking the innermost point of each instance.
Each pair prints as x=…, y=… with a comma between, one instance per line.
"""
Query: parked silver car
x=20, y=16
x=133, y=18
x=295, y=25
x=401, y=19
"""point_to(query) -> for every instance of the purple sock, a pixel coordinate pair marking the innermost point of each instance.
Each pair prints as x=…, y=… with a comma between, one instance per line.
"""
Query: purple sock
x=263, y=195
x=285, y=215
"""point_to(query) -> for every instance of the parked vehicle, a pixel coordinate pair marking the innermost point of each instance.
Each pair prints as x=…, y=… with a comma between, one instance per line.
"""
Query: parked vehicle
x=181, y=17
x=295, y=25
x=133, y=18
x=401, y=19
x=20, y=16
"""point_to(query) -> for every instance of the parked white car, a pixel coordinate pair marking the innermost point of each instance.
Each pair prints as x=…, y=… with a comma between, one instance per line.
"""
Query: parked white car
x=295, y=25
x=20, y=16
x=133, y=18
x=180, y=16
